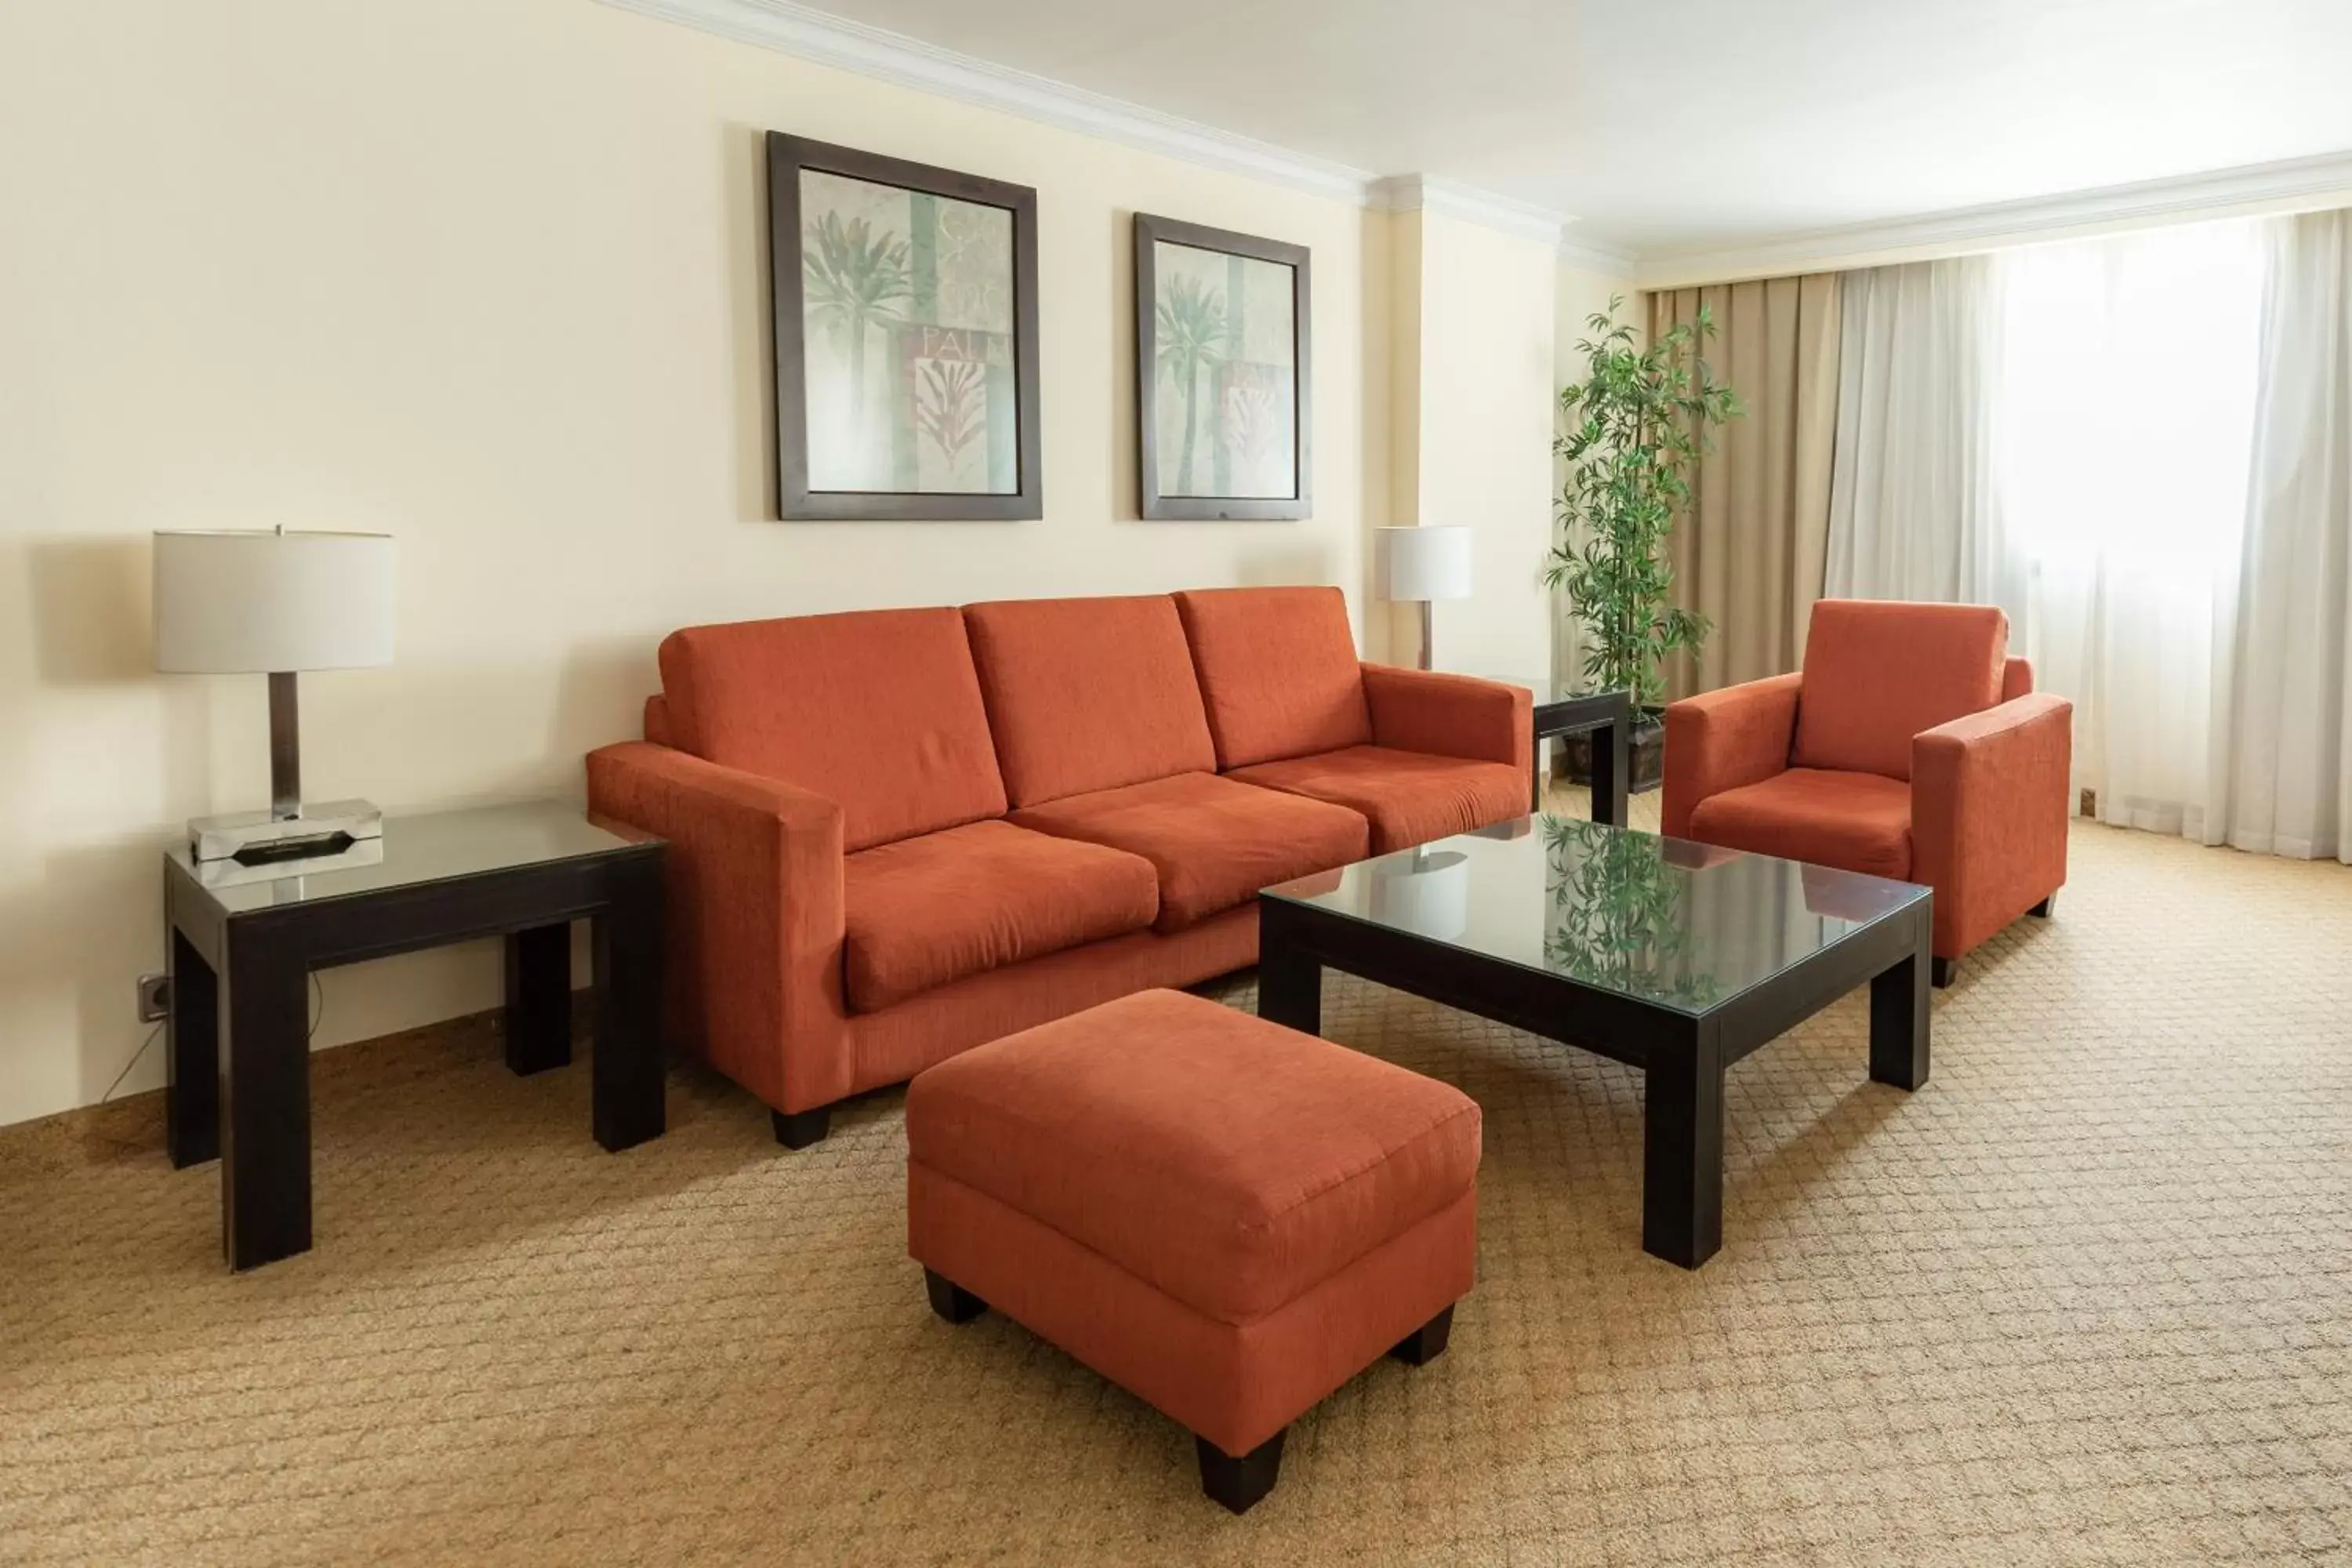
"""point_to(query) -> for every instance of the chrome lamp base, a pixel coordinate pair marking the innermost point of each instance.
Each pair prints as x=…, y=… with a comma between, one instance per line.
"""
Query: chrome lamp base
x=256, y=837
x=289, y=831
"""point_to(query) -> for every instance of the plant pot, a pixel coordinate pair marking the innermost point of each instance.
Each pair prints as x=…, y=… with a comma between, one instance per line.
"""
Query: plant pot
x=1572, y=755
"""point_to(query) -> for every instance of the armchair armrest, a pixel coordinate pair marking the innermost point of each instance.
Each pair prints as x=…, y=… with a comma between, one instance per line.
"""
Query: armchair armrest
x=754, y=896
x=1722, y=740
x=1451, y=715
x=1989, y=815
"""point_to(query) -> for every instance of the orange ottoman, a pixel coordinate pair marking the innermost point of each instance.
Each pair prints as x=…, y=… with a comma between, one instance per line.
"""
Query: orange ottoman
x=1226, y=1217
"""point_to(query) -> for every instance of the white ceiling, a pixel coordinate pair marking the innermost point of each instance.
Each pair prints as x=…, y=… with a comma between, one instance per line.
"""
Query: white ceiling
x=1679, y=125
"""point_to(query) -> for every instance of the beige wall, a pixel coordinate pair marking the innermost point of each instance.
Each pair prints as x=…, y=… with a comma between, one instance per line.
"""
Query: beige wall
x=485, y=274
x=1485, y=371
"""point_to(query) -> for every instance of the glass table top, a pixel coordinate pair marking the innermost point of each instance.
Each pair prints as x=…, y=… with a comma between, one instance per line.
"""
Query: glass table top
x=431, y=847
x=1669, y=922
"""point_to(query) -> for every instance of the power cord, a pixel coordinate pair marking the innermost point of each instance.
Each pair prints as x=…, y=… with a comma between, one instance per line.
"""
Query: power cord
x=129, y=1065
x=318, y=1012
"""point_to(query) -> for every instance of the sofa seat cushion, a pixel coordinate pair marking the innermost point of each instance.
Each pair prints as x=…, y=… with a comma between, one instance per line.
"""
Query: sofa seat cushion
x=1214, y=842
x=923, y=912
x=1854, y=822
x=1226, y=1161
x=1409, y=797
x=1278, y=671
x=1879, y=672
x=1087, y=694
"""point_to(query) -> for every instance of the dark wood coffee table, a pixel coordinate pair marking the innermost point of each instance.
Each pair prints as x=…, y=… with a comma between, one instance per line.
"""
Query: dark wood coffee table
x=1674, y=957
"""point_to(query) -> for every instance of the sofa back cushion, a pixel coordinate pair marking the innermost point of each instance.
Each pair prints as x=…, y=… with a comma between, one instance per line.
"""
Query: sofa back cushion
x=1278, y=671
x=878, y=710
x=1087, y=694
x=1878, y=672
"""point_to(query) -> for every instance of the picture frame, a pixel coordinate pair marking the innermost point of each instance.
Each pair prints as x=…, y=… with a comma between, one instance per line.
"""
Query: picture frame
x=904, y=337
x=1210, y=328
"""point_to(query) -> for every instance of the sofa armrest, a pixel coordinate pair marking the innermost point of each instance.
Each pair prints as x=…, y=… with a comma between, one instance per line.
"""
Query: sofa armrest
x=1989, y=815
x=1724, y=739
x=1451, y=715
x=755, y=915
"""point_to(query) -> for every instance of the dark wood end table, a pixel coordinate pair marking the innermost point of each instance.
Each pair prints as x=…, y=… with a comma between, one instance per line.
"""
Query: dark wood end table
x=241, y=953
x=1608, y=716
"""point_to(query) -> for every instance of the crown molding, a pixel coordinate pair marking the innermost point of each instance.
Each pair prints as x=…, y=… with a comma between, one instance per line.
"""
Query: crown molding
x=1595, y=255
x=829, y=40
x=1427, y=192
x=2298, y=185
x=824, y=38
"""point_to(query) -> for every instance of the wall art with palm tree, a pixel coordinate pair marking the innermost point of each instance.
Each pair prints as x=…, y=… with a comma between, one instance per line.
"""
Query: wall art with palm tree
x=906, y=338
x=1221, y=373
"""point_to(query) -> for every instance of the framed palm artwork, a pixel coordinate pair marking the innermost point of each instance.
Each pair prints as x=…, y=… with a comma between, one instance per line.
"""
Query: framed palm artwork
x=906, y=339
x=1221, y=373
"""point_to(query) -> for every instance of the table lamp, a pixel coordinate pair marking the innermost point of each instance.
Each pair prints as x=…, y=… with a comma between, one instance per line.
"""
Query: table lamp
x=273, y=604
x=1424, y=564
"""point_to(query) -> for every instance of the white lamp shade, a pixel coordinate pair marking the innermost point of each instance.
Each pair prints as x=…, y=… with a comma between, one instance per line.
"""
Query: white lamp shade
x=251, y=603
x=1423, y=562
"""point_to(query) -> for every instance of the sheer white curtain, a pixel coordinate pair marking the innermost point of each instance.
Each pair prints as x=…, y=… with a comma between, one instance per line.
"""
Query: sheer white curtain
x=2281, y=775
x=2125, y=413
x=1915, y=507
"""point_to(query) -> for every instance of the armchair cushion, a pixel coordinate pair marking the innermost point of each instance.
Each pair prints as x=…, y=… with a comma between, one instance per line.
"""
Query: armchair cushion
x=1409, y=797
x=1879, y=672
x=925, y=911
x=1087, y=694
x=1214, y=841
x=1451, y=715
x=1278, y=671
x=1855, y=821
x=1722, y=740
x=878, y=710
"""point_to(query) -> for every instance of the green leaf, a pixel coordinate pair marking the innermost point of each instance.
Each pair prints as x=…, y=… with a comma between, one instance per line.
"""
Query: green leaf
x=1634, y=431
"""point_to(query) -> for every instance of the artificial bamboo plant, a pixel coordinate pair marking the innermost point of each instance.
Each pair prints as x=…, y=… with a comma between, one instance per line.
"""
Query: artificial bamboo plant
x=1631, y=433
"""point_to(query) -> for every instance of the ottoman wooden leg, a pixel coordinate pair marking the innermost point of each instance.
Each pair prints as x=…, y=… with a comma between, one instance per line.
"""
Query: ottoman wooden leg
x=1239, y=1483
x=951, y=1300
x=1427, y=1342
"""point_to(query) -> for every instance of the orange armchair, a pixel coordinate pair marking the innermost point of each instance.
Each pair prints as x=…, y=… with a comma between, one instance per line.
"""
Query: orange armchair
x=1911, y=746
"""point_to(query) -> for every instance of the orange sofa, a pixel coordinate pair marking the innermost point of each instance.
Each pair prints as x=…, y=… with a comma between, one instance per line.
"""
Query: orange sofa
x=1910, y=746
x=897, y=834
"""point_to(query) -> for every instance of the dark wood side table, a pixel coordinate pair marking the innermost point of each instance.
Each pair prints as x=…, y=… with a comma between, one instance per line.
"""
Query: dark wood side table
x=1609, y=715
x=241, y=953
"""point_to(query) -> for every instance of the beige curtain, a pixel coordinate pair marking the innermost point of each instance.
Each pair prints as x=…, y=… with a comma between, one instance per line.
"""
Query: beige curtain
x=1751, y=555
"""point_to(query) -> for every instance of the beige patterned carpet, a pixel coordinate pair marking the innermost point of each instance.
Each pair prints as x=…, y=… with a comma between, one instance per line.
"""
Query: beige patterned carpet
x=2088, y=1297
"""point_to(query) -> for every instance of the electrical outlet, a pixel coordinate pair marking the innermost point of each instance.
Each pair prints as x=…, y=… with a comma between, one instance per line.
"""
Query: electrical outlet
x=155, y=997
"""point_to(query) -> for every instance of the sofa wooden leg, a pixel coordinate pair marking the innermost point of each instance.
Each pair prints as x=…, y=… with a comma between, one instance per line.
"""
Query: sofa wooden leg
x=2046, y=908
x=951, y=1300
x=1238, y=1484
x=1427, y=1342
x=1941, y=970
x=799, y=1129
